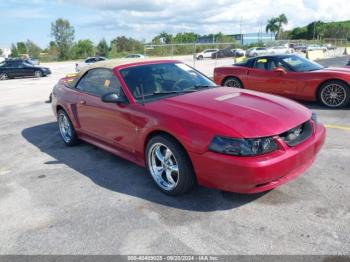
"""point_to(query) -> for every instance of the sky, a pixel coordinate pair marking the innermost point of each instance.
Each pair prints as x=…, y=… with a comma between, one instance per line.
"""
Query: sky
x=143, y=19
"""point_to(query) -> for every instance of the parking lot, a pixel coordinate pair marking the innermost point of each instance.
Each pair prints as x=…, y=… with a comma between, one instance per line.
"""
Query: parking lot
x=83, y=200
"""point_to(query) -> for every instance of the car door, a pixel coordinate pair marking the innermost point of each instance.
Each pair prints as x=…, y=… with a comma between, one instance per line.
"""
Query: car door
x=108, y=122
x=18, y=69
x=27, y=69
x=22, y=69
x=13, y=69
x=262, y=77
x=207, y=53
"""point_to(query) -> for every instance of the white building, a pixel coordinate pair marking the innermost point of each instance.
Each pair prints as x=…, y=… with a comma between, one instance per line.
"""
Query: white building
x=6, y=52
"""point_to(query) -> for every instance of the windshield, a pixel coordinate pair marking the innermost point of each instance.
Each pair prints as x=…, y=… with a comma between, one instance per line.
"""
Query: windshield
x=156, y=81
x=300, y=64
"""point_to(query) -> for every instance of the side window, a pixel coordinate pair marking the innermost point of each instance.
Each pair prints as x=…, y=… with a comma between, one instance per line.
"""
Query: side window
x=281, y=64
x=267, y=64
x=261, y=63
x=99, y=82
x=17, y=64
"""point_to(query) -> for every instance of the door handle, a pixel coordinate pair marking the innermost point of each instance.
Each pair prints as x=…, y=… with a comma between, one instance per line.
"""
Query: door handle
x=82, y=102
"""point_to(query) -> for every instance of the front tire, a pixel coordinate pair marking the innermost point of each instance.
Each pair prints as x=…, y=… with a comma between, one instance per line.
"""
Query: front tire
x=334, y=94
x=66, y=129
x=232, y=82
x=4, y=76
x=169, y=165
x=38, y=74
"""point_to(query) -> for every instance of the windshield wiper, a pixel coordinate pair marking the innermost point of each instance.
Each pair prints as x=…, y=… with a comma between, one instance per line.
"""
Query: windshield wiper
x=203, y=86
x=172, y=92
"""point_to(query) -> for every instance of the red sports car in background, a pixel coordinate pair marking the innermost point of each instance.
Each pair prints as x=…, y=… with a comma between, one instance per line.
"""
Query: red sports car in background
x=290, y=76
x=175, y=121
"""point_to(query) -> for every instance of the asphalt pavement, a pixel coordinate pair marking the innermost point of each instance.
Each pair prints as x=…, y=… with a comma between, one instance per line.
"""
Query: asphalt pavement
x=83, y=200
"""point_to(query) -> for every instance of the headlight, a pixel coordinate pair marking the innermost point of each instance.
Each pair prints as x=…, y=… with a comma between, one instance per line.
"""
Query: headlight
x=243, y=147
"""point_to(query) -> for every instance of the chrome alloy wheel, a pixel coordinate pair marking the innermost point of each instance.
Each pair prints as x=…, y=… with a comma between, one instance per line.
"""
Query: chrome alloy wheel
x=333, y=95
x=163, y=166
x=65, y=127
x=232, y=82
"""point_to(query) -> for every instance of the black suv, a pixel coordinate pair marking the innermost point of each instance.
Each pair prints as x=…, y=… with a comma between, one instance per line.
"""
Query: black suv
x=12, y=68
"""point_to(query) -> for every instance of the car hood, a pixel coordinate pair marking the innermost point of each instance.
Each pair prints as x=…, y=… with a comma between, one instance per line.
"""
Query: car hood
x=245, y=113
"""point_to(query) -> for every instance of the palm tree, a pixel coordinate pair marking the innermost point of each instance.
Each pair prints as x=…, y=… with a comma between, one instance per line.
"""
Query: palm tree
x=275, y=25
x=272, y=26
x=282, y=20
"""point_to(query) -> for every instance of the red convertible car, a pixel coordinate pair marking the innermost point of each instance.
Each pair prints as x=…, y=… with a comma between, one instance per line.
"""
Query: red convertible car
x=175, y=121
x=291, y=76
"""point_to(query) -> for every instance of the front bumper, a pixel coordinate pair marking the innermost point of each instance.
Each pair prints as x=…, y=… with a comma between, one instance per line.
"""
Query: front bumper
x=259, y=173
x=47, y=72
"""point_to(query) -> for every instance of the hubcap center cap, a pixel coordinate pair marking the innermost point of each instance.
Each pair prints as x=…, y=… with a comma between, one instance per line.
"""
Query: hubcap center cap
x=334, y=95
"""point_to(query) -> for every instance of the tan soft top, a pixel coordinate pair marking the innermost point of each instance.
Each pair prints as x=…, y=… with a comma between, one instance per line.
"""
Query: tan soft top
x=112, y=63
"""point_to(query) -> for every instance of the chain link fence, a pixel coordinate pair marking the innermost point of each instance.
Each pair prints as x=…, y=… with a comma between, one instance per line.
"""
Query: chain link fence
x=191, y=51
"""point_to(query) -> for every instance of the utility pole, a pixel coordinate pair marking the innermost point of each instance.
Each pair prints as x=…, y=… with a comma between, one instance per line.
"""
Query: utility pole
x=240, y=31
x=313, y=37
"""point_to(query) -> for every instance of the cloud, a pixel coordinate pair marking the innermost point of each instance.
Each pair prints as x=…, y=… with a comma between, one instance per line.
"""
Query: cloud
x=145, y=18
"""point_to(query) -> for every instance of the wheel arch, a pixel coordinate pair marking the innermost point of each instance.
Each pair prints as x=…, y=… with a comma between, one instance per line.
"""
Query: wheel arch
x=328, y=80
x=156, y=132
x=167, y=134
x=59, y=107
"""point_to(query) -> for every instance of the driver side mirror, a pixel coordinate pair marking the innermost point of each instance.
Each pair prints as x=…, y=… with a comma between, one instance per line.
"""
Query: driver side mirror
x=113, y=98
x=279, y=70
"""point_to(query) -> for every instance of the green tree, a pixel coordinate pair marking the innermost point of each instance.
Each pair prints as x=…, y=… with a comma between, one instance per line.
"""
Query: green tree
x=32, y=49
x=299, y=33
x=162, y=38
x=102, y=48
x=221, y=38
x=14, y=51
x=0, y=51
x=336, y=30
x=315, y=30
x=275, y=25
x=272, y=26
x=123, y=44
x=83, y=49
x=21, y=48
x=63, y=33
x=52, y=49
x=113, y=50
x=186, y=37
x=282, y=20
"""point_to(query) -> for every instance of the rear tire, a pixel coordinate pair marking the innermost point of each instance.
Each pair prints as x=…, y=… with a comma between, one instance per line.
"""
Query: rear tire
x=200, y=57
x=334, y=94
x=169, y=165
x=232, y=82
x=66, y=129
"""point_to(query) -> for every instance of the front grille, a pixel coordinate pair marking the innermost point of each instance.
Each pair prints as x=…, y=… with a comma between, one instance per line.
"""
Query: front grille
x=297, y=135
